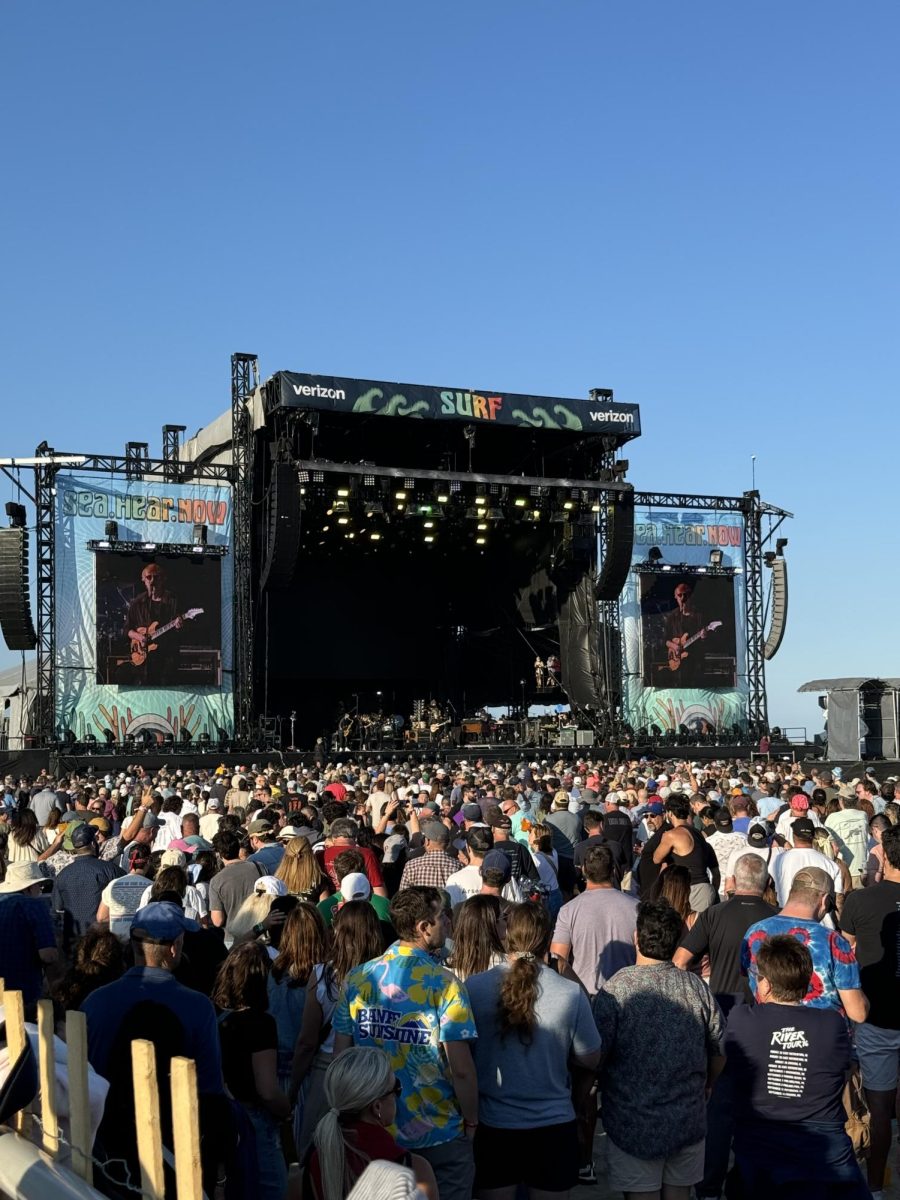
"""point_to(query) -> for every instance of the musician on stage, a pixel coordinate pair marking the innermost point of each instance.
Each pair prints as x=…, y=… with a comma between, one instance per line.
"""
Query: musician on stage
x=159, y=605
x=685, y=620
x=539, y=673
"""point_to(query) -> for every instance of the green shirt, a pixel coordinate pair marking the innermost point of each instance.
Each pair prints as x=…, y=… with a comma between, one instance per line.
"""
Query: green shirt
x=327, y=907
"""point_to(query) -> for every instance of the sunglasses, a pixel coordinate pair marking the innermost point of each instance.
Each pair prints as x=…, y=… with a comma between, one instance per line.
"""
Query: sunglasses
x=396, y=1090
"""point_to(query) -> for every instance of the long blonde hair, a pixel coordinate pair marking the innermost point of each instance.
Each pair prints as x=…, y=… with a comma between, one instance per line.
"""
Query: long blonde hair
x=353, y=1081
x=252, y=912
x=298, y=868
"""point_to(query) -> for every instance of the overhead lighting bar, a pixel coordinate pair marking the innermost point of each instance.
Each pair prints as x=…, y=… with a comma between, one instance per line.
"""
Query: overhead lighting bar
x=171, y=548
x=320, y=468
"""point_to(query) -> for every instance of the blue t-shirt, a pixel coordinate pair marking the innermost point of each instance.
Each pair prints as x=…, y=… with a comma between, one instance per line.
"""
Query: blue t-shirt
x=268, y=857
x=834, y=963
x=407, y=1005
x=107, y=1007
x=25, y=928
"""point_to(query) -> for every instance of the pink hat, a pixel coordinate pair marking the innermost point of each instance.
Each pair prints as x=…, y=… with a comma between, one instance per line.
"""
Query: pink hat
x=799, y=802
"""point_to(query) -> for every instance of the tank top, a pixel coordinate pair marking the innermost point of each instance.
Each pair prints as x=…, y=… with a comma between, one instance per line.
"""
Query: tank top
x=695, y=861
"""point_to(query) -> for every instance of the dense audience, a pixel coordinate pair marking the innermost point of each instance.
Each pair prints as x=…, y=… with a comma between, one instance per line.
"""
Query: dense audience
x=449, y=979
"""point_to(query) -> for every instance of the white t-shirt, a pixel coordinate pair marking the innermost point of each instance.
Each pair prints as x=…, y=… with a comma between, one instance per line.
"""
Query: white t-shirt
x=851, y=829
x=759, y=851
x=195, y=906
x=786, y=820
x=786, y=866
x=464, y=884
x=123, y=897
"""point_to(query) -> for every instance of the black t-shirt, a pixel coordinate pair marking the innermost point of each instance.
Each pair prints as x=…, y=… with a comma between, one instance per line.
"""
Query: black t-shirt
x=719, y=932
x=242, y=1034
x=617, y=849
x=787, y=1062
x=617, y=827
x=872, y=916
x=647, y=870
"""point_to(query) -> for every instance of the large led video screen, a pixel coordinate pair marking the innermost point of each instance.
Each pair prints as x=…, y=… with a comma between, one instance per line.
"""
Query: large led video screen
x=687, y=630
x=159, y=620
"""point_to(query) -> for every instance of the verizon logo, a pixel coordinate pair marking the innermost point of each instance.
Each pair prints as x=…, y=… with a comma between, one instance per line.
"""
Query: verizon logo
x=607, y=417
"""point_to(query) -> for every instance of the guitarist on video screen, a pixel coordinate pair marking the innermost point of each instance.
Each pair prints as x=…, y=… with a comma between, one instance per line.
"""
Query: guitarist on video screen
x=683, y=622
x=160, y=606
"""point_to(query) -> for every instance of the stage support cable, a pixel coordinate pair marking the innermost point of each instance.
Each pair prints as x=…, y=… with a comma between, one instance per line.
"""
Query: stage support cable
x=757, y=715
x=244, y=379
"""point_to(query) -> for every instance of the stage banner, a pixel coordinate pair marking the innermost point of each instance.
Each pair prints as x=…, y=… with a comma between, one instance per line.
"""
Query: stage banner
x=368, y=397
x=684, y=624
x=143, y=633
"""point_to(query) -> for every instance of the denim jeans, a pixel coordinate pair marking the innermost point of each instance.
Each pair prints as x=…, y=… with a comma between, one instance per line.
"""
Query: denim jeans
x=271, y=1183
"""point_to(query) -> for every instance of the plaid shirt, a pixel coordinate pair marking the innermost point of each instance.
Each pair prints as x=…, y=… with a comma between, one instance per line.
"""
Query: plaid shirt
x=432, y=869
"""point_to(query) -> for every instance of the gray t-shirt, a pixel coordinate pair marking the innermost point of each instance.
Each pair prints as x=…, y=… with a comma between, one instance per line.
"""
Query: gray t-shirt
x=512, y=1075
x=230, y=888
x=599, y=926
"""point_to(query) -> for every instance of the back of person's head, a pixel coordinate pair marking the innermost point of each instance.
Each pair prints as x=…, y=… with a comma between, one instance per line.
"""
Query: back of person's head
x=356, y=937
x=477, y=935
x=355, y=1080
x=674, y=886
x=169, y=879
x=298, y=867
x=890, y=842
x=242, y=979
x=592, y=820
x=411, y=907
x=543, y=837
x=598, y=865
x=809, y=884
x=479, y=840
x=24, y=827
x=99, y=958
x=659, y=930
x=750, y=874
x=348, y=862
x=822, y=841
x=302, y=944
x=344, y=828
x=679, y=808
x=226, y=844
x=528, y=933
x=786, y=965
x=437, y=833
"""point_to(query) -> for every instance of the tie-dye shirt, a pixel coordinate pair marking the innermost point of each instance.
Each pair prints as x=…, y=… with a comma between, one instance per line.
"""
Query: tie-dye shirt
x=834, y=962
x=406, y=1004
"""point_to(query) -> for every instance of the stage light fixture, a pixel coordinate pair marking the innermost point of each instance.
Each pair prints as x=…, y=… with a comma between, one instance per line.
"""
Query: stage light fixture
x=111, y=529
x=368, y=480
x=303, y=476
x=520, y=502
x=399, y=495
x=343, y=492
x=410, y=484
x=443, y=498
x=400, y=507
x=780, y=544
x=429, y=537
x=535, y=489
x=350, y=536
x=568, y=505
x=654, y=554
x=375, y=537
x=715, y=558
x=325, y=528
x=428, y=525
x=318, y=477
x=343, y=520
x=481, y=525
x=148, y=546
x=480, y=500
x=340, y=506
x=481, y=541
x=701, y=570
x=596, y=507
x=666, y=567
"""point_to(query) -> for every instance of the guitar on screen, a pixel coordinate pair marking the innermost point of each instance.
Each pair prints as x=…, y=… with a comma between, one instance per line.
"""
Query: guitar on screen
x=149, y=635
x=677, y=647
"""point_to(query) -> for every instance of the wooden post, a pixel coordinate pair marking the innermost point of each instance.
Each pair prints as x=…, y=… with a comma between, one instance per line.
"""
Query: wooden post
x=14, y=1014
x=47, y=1066
x=79, y=1097
x=147, y=1119
x=186, y=1129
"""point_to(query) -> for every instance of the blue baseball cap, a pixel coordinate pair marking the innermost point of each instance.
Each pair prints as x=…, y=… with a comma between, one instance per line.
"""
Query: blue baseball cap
x=162, y=921
x=652, y=785
x=655, y=808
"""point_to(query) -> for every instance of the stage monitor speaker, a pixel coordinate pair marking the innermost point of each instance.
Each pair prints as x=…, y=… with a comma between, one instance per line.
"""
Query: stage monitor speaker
x=283, y=544
x=584, y=737
x=15, y=605
x=619, y=544
x=779, y=608
x=567, y=736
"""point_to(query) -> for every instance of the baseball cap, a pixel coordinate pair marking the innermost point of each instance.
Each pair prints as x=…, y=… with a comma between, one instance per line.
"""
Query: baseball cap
x=799, y=802
x=652, y=785
x=213, y=802
x=356, y=886
x=803, y=828
x=289, y=831
x=723, y=820
x=259, y=827
x=79, y=836
x=471, y=812
x=756, y=836
x=101, y=823
x=496, y=860
x=269, y=885
x=161, y=921
x=655, y=808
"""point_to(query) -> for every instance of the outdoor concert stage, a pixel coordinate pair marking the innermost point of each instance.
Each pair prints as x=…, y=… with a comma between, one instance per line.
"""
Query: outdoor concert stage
x=339, y=555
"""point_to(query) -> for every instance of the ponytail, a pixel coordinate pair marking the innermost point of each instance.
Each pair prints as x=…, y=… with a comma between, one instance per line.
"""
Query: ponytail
x=528, y=934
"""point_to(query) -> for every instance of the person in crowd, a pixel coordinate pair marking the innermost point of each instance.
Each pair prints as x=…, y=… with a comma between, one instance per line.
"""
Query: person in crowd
x=725, y=841
x=27, y=937
x=522, y=868
x=653, y=1013
x=172, y=877
x=835, y=977
x=436, y=865
x=249, y=1040
x=343, y=836
x=354, y=885
x=596, y=929
x=301, y=874
x=258, y=917
x=622, y=851
x=545, y=858
x=27, y=841
x=98, y=959
x=681, y=845
x=78, y=888
x=123, y=896
x=871, y=924
x=874, y=872
x=826, y=842
x=803, y=853
x=357, y=938
x=533, y=1029
x=479, y=935
x=465, y=882
x=232, y=885
x=267, y=850
x=797, y=809
x=851, y=828
x=361, y=1092
x=406, y=988
x=674, y=886
x=787, y=1064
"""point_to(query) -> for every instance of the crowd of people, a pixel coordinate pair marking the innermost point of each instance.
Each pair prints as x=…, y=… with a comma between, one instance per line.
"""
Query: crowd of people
x=435, y=982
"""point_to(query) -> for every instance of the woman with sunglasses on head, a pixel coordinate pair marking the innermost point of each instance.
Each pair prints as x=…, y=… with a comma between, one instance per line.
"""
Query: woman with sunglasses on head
x=361, y=1091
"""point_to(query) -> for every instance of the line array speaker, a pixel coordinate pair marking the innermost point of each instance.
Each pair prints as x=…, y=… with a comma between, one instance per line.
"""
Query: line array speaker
x=779, y=608
x=283, y=533
x=15, y=605
x=619, y=545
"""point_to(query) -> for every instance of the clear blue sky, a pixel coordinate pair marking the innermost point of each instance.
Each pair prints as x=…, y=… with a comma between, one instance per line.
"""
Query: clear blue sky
x=694, y=204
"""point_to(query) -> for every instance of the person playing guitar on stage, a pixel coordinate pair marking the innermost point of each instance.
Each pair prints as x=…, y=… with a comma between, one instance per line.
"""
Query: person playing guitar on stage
x=153, y=662
x=685, y=624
